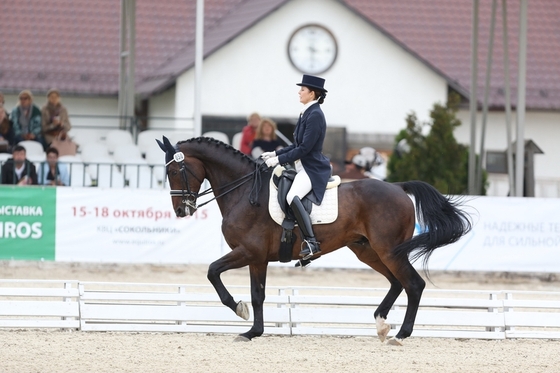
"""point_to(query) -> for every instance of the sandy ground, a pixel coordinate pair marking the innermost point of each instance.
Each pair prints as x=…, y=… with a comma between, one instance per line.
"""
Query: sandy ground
x=64, y=351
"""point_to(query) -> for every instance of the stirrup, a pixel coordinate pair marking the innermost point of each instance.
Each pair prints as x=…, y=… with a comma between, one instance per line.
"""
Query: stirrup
x=307, y=251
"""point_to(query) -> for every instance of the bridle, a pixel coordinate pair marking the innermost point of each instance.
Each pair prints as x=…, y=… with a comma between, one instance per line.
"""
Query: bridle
x=189, y=197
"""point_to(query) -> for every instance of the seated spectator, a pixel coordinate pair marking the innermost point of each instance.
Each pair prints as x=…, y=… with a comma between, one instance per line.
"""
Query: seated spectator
x=6, y=133
x=18, y=170
x=54, y=118
x=248, y=133
x=265, y=138
x=53, y=173
x=26, y=120
x=355, y=169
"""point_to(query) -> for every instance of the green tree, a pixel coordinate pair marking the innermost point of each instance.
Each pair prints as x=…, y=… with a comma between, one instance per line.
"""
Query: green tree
x=435, y=158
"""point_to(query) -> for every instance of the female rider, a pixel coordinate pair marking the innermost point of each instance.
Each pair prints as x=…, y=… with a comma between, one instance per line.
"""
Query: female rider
x=312, y=167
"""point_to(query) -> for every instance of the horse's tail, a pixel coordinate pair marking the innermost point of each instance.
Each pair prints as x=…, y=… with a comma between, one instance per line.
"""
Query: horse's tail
x=440, y=219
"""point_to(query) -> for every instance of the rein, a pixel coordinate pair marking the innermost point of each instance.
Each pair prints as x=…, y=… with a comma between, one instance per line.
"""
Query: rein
x=189, y=197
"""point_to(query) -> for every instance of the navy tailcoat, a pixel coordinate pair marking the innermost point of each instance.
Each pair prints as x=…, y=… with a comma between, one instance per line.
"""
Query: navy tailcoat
x=309, y=136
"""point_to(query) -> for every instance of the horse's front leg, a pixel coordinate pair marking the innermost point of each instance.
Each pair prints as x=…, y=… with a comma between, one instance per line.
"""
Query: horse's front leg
x=258, y=289
x=232, y=260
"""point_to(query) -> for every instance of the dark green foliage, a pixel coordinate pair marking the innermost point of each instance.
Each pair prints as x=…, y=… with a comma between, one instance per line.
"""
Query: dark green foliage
x=435, y=158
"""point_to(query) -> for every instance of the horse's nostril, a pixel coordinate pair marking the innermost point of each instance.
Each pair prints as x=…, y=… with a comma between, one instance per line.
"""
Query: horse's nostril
x=180, y=211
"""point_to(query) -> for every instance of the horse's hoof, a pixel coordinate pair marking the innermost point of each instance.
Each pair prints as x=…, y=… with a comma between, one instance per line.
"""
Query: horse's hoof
x=242, y=310
x=241, y=338
x=382, y=328
x=395, y=342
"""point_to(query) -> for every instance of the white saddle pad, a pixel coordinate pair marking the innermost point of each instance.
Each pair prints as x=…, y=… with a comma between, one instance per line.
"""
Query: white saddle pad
x=326, y=213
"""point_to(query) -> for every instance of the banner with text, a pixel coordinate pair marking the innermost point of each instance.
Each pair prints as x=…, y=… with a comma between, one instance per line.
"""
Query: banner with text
x=27, y=222
x=509, y=234
x=130, y=225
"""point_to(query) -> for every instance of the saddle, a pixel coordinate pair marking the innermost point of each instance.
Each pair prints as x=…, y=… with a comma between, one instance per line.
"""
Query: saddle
x=280, y=183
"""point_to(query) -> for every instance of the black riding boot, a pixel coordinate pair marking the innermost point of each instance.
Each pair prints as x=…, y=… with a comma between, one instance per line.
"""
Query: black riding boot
x=309, y=246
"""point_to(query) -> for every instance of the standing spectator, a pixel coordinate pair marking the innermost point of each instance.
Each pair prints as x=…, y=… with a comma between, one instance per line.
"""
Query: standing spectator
x=26, y=119
x=265, y=138
x=249, y=132
x=18, y=170
x=52, y=172
x=54, y=116
x=6, y=132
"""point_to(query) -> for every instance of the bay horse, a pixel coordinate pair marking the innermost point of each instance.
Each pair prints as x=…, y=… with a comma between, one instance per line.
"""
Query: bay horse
x=376, y=221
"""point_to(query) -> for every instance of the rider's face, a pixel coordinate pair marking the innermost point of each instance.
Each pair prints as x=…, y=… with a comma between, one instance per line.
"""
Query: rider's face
x=305, y=95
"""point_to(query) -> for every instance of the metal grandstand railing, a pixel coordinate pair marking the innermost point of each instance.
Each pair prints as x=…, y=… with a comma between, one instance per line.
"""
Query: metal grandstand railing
x=113, y=175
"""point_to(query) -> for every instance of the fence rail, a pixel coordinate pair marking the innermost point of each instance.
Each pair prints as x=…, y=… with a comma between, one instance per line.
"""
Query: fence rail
x=95, y=306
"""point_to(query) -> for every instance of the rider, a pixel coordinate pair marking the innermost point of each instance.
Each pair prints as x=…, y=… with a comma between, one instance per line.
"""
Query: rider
x=312, y=167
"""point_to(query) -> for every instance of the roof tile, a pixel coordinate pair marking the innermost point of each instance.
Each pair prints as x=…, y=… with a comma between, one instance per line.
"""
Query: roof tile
x=74, y=45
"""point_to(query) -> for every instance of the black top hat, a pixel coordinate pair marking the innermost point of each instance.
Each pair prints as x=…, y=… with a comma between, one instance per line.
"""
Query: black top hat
x=313, y=82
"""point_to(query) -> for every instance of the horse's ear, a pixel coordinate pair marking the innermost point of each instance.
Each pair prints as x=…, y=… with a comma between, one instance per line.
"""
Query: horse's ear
x=168, y=146
x=162, y=147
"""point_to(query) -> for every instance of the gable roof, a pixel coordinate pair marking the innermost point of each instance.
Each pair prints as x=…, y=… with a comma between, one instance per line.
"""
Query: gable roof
x=439, y=32
x=74, y=45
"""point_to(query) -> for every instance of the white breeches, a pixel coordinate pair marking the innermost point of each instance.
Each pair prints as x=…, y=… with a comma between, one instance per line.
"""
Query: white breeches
x=300, y=187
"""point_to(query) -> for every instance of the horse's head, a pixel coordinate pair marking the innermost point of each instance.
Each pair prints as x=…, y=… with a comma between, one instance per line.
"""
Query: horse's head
x=185, y=175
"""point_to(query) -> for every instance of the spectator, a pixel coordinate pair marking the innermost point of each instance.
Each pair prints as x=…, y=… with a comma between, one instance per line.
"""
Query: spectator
x=354, y=169
x=54, y=117
x=376, y=167
x=265, y=138
x=52, y=172
x=26, y=120
x=6, y=133
x=249, y=132
x=18, y=170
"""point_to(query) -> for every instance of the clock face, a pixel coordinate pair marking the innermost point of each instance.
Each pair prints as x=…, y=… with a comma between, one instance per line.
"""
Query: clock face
x=312, y=49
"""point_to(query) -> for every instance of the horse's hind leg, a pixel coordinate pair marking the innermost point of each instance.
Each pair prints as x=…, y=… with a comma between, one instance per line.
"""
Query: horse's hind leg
x=367, y=255
x=414, y=285
x=258, y=287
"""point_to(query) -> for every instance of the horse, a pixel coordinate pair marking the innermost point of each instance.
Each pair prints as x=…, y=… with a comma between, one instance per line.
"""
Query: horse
x=376, y=220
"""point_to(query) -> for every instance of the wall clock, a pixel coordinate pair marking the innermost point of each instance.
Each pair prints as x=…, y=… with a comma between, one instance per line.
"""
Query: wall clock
x=312, y=49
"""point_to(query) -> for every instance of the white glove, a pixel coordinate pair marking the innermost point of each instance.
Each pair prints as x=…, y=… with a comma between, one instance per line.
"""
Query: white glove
x=267, y=155
x=272, y=162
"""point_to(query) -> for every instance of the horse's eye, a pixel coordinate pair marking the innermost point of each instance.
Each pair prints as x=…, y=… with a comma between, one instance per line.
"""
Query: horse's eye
x=173, y=173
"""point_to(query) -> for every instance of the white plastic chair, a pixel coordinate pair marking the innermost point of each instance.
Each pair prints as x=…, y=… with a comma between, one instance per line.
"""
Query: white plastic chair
x=82, y=136
x=147, y=139
x=116, y=138
x=33, y=151
x=129, y=154
x=94, y=150
x=70, y=158
x=155, y=156
x=236, y=140
x=105, y=173
x=5, y=156
x=78, y=175
x=217, y=135
x=176, y=136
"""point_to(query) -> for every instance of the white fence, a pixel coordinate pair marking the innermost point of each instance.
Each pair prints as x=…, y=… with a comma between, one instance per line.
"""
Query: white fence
x=95, y=306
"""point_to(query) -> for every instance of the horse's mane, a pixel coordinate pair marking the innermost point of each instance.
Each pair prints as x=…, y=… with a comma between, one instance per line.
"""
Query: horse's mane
x=218, y=143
